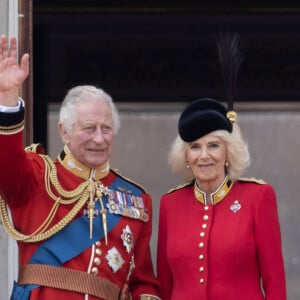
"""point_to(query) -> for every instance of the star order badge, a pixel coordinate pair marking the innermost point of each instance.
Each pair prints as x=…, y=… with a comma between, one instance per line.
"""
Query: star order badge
x=127, y=238
x=114, y=259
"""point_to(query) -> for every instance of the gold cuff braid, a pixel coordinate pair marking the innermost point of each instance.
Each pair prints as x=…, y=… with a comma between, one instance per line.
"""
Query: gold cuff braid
x=13, y=129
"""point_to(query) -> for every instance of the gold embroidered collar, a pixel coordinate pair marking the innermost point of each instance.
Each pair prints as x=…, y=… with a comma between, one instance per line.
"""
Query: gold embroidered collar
x=215, y=197
x=74, y=166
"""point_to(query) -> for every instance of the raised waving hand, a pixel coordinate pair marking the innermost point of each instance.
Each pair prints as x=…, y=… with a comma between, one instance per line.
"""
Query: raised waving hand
x=12, y=74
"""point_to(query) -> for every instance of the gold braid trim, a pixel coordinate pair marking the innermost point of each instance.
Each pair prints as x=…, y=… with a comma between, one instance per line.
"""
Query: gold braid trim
x=12, y=127
x=81, y=194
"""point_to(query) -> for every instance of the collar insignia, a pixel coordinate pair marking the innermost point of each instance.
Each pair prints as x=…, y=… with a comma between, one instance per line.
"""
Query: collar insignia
x=70, y=163
x=216, y=196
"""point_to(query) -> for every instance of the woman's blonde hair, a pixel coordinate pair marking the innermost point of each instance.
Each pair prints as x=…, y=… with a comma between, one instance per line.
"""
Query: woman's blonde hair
x=237, y=154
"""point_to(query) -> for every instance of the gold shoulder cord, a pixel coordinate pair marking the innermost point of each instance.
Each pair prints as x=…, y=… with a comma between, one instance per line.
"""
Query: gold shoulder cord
x=80, y=194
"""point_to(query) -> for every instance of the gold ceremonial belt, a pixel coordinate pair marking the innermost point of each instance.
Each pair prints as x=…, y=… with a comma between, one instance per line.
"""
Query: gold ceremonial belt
x=67, y=279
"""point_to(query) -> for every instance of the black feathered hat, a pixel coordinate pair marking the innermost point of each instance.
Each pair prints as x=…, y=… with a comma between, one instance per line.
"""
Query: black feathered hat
x=201, y=117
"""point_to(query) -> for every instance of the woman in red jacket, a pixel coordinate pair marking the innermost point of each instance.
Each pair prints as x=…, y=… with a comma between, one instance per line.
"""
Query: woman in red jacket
x=219, y=235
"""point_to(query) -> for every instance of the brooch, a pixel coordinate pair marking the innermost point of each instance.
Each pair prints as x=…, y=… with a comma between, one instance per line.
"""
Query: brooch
x=235, y=206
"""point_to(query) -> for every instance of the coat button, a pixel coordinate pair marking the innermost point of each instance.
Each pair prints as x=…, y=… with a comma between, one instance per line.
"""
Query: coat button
x=97, y=261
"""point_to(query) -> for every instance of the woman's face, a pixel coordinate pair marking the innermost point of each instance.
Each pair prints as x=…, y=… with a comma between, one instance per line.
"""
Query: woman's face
x=206, y=158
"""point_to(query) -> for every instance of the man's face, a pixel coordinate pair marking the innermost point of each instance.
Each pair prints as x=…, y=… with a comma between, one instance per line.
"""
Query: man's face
x=92, y=137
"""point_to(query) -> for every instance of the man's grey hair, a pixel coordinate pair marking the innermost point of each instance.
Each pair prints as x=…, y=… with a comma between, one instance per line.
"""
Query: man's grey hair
x=82, y=93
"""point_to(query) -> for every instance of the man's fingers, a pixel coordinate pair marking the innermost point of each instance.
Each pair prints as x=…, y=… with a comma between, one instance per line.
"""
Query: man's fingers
x=13, y=47
x=7, y=50
x=4, y=44
x=25, y=63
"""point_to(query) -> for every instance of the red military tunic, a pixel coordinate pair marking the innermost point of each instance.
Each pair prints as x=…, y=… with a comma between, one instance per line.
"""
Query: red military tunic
x=221, y=251
x=22, y=186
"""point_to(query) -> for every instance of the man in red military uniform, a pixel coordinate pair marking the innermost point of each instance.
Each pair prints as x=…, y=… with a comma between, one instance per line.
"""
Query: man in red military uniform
x=83, y=229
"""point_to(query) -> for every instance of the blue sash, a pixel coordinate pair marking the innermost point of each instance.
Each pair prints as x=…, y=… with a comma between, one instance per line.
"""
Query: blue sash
x=72, y=240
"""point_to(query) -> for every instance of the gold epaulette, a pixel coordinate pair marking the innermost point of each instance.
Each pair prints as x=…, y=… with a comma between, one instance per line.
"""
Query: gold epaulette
x=119, y=173
x=252, y=179
x=35, y=148
x=180, y=186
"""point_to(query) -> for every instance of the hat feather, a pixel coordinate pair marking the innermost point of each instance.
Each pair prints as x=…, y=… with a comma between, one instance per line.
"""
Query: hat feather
x=230, y=58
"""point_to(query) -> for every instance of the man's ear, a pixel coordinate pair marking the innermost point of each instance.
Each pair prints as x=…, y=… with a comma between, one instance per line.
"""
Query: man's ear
x=63, y=133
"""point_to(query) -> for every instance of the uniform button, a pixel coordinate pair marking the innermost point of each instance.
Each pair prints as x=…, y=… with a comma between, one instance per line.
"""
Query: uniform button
x=206, y=207
x=95, y=271
x=201, y=256
x=201, y=280
x=201, y=245
x=205, y=217
x=202, y=234
x=98, y=243
x=204, y=225
x=98, y=251
x=97, y=261
x=201, y=269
